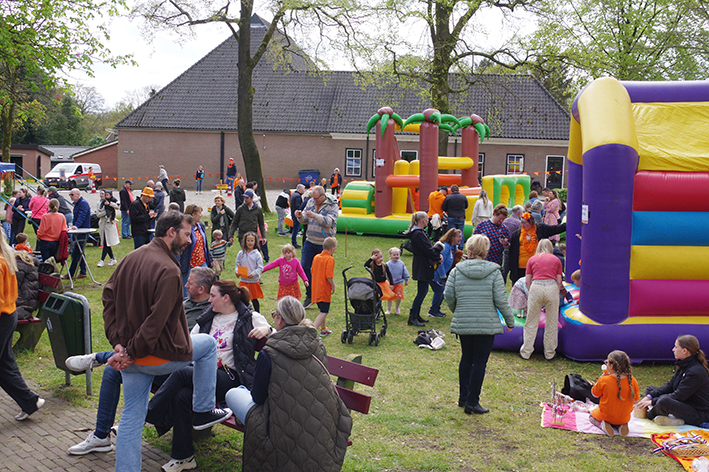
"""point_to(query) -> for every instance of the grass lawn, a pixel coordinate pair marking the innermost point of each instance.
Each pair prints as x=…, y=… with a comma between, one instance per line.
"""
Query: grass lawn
x=414, y=423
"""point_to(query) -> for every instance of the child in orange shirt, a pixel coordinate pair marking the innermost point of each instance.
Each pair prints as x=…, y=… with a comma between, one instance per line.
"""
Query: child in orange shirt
x=617, y=390
x=323, y=282
x=21, y=245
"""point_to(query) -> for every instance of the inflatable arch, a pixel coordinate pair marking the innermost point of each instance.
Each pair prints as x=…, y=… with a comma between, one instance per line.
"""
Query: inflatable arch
x=638, y=198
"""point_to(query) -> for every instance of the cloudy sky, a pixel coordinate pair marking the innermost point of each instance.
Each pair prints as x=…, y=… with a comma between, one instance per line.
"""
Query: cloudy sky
x=166, y=56
x=159, y=61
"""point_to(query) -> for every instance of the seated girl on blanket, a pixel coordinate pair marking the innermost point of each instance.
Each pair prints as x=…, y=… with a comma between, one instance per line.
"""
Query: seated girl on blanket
x=617, y=390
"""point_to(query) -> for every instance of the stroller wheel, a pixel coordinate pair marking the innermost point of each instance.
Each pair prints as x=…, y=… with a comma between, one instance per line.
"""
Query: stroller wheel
x=371, y=338
x=376, y=339
x=343, y=337
x=350, y=337
x=383, y=331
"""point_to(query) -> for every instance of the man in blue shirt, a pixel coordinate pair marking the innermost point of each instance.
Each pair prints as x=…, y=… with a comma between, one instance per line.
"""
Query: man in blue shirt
x=82, y=219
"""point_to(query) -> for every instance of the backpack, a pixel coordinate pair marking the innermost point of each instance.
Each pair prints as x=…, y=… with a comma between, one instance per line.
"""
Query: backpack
x=50, y=267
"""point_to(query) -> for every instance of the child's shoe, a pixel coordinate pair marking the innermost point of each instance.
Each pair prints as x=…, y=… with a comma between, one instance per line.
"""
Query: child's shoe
x=388, y=312
x=608, y=428
x=325, y=332
x=624, y=429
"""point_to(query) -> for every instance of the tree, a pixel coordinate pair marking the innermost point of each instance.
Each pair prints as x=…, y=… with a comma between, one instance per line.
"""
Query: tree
x=38, y=40
x=625, y=39
x=184, y=14
x=450, y=48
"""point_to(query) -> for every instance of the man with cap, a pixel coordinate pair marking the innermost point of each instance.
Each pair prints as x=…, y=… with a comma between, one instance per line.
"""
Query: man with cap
x=82, y=219
x=64, y=208
x=248, y=217
x=140, y=218
x=126, y=195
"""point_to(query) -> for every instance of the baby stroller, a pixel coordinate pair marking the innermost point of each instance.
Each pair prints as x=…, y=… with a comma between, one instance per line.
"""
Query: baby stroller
x=365, y=297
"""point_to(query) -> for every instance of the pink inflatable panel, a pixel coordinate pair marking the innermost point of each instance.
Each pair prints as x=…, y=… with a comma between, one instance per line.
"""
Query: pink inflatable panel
x=690, y=191
x=669, y=297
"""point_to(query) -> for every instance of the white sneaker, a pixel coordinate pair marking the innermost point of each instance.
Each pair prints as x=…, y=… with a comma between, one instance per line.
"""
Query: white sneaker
x=91, y=444
x=22, y=416
x=81, y=363
x=662, y=420
x=112, y=262
x=100, y=263
x=175, y=466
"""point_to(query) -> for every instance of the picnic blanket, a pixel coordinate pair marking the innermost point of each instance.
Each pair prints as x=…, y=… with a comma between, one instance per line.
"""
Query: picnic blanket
x=685, y=461
x=574, y=417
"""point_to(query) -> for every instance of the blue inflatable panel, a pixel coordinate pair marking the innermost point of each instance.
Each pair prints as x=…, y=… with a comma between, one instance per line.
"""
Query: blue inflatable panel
x=670, y=228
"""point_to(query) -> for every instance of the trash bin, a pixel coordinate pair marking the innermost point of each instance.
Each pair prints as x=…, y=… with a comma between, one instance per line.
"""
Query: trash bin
x=68, y=319
x=309, y=175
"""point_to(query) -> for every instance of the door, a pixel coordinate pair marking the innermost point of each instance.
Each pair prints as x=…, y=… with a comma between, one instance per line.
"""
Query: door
x=555, y=172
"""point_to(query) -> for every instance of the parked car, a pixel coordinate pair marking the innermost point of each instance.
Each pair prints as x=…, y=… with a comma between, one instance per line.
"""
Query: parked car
x=72, y=175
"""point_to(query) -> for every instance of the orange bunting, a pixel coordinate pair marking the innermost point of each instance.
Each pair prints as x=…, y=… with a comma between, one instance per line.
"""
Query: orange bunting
x=209, y=175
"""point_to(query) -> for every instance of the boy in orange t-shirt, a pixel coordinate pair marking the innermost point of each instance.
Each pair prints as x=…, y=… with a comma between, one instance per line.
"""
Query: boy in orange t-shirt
x=323, y=282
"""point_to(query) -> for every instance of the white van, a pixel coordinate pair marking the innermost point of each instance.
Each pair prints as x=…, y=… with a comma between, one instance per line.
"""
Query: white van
x=72, y=175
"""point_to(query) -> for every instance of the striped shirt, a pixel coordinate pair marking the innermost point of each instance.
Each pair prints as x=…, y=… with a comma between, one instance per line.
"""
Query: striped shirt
x=218, y=249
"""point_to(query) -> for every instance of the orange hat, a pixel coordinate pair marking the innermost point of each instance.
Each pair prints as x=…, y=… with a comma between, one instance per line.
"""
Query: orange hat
x=148, y=191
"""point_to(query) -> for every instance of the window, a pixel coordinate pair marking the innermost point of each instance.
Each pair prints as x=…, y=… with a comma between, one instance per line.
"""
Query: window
x=374, y=163
x=554, y=172
x=409, y=155
x=353, y=163
x=515, y=164
x=481, y=165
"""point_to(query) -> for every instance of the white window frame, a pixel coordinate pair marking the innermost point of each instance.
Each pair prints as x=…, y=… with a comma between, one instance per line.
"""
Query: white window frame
x=546, y=168
x=481, y=164
x=519, y=161
x=351, y=170
x=374, y=163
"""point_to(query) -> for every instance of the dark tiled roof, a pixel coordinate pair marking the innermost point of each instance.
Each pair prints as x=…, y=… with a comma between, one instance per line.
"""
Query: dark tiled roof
x=296, y=101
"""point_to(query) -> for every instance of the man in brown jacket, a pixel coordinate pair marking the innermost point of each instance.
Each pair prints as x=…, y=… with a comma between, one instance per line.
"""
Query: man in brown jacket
x=145, y=322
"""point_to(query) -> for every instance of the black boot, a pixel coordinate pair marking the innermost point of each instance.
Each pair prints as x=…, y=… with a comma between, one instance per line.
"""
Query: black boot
x=415, y=322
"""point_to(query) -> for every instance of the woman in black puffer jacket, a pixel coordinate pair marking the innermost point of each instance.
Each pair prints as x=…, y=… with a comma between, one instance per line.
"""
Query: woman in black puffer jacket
x=686, y=395
x=27, y=284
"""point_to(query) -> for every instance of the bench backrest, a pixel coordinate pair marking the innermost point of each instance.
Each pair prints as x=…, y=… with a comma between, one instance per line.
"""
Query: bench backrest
x=47, y=284
x=347, y=373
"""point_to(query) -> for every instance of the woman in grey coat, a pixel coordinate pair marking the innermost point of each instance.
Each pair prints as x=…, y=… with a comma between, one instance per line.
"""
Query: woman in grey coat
x=475, y=291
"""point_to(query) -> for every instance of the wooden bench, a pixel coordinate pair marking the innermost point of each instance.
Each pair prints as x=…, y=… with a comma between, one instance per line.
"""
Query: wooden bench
x=348, y=372
x=31, y=329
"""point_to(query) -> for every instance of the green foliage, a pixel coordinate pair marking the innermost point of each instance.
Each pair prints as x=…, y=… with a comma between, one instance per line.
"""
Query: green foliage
x=562, y=193
x=38, y=40
x=625, y=39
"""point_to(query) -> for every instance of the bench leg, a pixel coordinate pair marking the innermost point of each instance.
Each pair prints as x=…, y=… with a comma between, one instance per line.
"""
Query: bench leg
x=29, y=336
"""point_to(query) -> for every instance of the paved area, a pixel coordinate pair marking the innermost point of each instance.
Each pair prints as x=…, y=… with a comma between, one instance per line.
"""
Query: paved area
x=40, y=442
x=205, y=200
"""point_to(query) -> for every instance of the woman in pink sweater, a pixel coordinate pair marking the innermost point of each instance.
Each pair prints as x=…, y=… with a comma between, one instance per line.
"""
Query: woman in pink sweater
x=289, y=269
x=543, y=278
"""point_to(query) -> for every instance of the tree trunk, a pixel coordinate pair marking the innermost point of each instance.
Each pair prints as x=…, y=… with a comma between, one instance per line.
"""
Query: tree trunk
x=8, y=114
x=247, y=143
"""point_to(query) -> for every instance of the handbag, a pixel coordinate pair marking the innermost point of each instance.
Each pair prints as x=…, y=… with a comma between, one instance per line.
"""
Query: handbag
x=578, y=388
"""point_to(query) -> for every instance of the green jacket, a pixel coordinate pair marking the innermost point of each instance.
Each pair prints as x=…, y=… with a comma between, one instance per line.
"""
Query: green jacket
x=475, y=291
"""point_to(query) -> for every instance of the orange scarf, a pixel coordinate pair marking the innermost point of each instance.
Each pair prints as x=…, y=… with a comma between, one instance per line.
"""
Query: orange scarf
x=529, y=239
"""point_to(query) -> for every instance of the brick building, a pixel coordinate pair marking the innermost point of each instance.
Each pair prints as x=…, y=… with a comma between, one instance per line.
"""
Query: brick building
x=304, y=120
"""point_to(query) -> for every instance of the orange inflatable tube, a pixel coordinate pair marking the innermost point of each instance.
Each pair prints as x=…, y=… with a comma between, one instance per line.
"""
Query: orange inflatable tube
x=413, y=181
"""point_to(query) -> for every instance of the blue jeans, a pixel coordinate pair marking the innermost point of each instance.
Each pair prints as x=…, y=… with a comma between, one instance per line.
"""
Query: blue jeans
x=294, y=233
x=458, y=222
x=140, y=240
x=307, y=255
x=125, y=224
x=199, y=185
x=48, y=248
x=69, y=219
x=108, y=396
x=76, y=258
x=438, y=294
x=422, y=290
x=137, y=381
x=240, y=402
